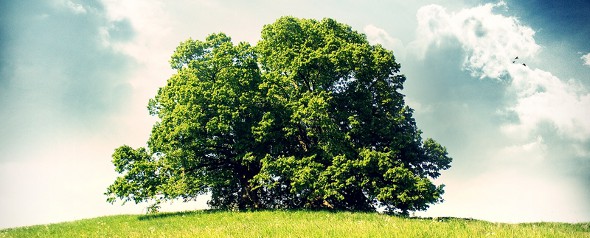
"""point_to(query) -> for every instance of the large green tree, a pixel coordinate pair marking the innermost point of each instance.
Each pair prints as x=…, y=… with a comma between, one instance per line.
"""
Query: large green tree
x=310, y=117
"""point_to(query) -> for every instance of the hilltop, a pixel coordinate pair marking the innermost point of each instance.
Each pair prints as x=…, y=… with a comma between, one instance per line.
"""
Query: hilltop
x=291, y=224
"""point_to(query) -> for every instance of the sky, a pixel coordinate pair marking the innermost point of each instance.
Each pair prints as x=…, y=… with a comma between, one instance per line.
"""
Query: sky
x=76, y=76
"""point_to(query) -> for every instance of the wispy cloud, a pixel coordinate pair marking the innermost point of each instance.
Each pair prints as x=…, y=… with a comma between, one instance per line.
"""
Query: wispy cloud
x=75, y=7
x=586, y=59
x=376, y=35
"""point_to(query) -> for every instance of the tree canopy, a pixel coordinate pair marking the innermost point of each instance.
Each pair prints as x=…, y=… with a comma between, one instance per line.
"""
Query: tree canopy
x=310, y=117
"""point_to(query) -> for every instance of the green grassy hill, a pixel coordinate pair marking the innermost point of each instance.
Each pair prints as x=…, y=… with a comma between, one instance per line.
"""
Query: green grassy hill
x=290, y=224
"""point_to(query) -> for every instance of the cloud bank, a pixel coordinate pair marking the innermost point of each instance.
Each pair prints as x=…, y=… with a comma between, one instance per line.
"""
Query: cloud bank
x=491, y=44
x=531, y=126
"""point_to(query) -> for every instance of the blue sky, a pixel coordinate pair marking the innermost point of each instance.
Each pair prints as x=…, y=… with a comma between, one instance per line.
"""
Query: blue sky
x=75, y=78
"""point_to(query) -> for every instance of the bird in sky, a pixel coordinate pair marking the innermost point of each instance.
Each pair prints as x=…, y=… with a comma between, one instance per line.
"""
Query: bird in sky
x=514, y=61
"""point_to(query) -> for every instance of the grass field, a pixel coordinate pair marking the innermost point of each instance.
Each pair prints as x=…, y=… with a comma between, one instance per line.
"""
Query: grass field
x=290, y=224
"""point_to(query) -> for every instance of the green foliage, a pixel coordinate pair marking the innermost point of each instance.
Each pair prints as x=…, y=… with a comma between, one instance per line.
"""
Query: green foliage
x=311, y=117
x=291, y=224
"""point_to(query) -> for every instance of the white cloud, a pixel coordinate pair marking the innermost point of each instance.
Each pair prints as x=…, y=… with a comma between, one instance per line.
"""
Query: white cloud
x=532, y=151
x=542, y=97
x=586, y=59
x=377, y=35
x=490, y=43
x=152, y=26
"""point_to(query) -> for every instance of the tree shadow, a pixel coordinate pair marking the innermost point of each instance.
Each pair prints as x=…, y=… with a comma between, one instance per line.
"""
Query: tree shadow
x=161, y=215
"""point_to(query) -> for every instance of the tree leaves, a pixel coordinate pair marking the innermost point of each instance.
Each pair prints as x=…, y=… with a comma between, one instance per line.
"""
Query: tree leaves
x=311, y=117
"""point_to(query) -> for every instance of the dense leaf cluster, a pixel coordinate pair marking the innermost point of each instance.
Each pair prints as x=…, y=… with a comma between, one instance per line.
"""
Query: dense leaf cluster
x=310, y=117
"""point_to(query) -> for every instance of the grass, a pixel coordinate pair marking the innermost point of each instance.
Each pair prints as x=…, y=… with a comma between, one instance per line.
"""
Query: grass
x=290, y=224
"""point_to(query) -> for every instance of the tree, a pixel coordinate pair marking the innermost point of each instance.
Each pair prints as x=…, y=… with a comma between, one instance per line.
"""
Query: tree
x=311, y=117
